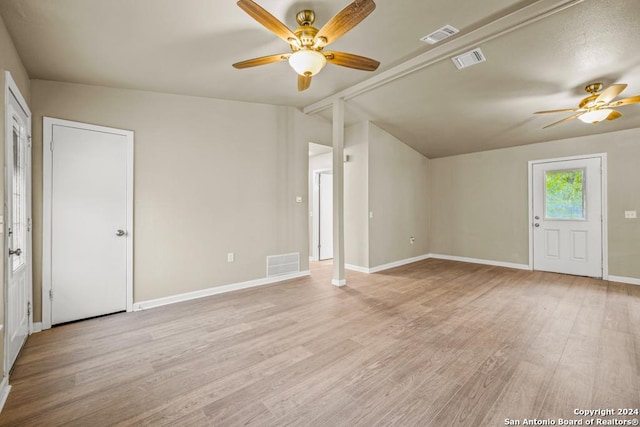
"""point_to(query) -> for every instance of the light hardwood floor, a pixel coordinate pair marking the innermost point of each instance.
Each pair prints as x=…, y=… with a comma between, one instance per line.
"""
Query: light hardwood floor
x=435, y=343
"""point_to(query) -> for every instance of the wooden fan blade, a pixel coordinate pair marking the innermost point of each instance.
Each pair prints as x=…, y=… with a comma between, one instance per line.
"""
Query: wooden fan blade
x=352, y=61
x=626, y=101
x=566, y=110
x=269, y=21
x=345, y=20
x=614, y=115
x=303, y=82
x=610, y=93
x=575, y=116
x=263, y=60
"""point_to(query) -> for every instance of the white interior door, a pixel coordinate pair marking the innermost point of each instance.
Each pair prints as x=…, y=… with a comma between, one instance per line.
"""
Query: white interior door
x=325, y=207
x=567, y=216
x=88, y=223
x=18, y=230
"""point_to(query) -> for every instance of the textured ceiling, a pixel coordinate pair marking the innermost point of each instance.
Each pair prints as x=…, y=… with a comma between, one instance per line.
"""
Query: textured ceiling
x=188, y=47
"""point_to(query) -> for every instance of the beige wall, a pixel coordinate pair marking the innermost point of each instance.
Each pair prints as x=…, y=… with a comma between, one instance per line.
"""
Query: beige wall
x=9, y=60
x=398, y=198
x=356, y=195
x=388, y=178
x=480, y=205
x=211, y=177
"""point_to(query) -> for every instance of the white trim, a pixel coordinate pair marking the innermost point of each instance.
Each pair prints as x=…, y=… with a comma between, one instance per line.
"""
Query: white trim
x=604, y=204
x=47, y=133
x=356, y=268
x=11, y=85
x=386, y=266
x=158, y=302
x=339, y=283
x=37, y=327
x=5, y=388
x=481, y=261
x=500, y=26
x=628, y=280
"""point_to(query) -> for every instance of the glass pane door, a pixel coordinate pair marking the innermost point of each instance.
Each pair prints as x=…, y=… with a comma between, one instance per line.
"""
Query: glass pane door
x=19, y=226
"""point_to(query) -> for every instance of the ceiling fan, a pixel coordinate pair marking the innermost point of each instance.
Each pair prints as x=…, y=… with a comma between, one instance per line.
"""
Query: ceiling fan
x=596, y=107
x=307, y=43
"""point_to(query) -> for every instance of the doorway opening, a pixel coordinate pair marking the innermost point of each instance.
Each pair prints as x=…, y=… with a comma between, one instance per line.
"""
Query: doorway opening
x=320, y=204
x=567, y=215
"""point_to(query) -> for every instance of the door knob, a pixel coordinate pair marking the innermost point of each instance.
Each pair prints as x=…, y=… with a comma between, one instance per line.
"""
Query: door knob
x=537, y=217
x=120, y=233
x=536, y=224
x=17, y=252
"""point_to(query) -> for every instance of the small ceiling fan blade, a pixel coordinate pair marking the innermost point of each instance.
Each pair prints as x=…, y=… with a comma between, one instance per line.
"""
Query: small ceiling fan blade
x=263, y=60
x=345, y=20
x=303, y=82
x=614, y=115
x=565, y=110
x=269, y=21
x=610, y=93
x=352, y=61
x=575, y=116
x=626, y=101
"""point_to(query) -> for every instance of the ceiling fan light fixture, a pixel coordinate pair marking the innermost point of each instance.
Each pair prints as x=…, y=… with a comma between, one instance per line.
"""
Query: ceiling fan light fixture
x=595, y=116
x=307, y=62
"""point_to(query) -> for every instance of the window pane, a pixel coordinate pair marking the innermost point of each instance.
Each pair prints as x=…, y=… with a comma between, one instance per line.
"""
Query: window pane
x=18, y=239
x=564, y=194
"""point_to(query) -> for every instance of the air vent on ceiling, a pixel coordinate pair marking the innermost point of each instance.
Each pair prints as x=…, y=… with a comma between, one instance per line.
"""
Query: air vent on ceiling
x=440, y=34
x=468, y=59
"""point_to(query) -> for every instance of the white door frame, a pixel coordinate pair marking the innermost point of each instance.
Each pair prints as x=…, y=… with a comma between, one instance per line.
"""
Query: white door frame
x=603, y=177
x=47, y=173
x=11, y=89
x=315, y=215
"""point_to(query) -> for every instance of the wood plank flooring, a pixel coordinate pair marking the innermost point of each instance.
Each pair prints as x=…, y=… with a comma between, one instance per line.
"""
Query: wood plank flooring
x=434, y=343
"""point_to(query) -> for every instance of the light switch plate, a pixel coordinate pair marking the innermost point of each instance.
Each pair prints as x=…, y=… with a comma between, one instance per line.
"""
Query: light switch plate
x=298, y=199
x=230, y=257
x=630, y=214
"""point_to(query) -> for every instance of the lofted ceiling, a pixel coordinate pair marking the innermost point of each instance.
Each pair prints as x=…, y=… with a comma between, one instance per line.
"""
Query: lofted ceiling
x=187, y=47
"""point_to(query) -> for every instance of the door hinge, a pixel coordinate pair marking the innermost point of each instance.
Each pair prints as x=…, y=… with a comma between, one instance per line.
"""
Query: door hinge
x=51, y=145
x=28, y=224
x=29, y=308
x=51, y=294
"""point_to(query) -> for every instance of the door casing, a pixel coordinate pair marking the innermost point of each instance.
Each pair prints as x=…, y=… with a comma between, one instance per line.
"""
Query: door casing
x=603, y=177
x=47, y=164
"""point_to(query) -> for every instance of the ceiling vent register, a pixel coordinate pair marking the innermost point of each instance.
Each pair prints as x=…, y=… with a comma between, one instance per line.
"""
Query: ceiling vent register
x=440, y=34
x=468, y=59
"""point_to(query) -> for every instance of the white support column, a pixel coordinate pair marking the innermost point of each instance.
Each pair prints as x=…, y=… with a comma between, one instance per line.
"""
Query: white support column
x=338, y=193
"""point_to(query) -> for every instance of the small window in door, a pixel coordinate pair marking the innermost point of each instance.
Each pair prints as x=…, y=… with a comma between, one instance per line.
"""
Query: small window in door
x=564, y=194
x=18, y=228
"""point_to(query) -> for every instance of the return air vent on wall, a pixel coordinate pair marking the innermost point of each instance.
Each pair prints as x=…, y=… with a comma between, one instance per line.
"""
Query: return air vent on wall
x=440, y=34
x=468, y=59
x=278, y=265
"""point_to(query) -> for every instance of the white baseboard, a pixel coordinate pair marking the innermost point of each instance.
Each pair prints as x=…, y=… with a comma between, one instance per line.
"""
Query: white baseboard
x=356, y=268
x=144, y=305
x=5, y=388
x=339, y=283
x=385, y=266
x=628, y=280
x=481, y=261
x=37, y=327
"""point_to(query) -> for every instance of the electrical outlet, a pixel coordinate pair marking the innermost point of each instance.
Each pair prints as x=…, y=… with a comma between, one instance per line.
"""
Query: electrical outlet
x=230, y=257
x=298, y=199
x=412, y=240
x=371, y=215
x=630, y=214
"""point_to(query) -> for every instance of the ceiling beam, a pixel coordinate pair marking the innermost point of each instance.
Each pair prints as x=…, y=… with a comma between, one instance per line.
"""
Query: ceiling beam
x=505, y=24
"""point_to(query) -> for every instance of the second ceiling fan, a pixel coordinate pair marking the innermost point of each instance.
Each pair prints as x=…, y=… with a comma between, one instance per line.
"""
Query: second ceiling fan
x=307, y=43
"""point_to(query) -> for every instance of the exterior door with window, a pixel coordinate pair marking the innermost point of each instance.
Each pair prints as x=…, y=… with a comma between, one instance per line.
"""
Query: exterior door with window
x=567, y=216
x=18, y=230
